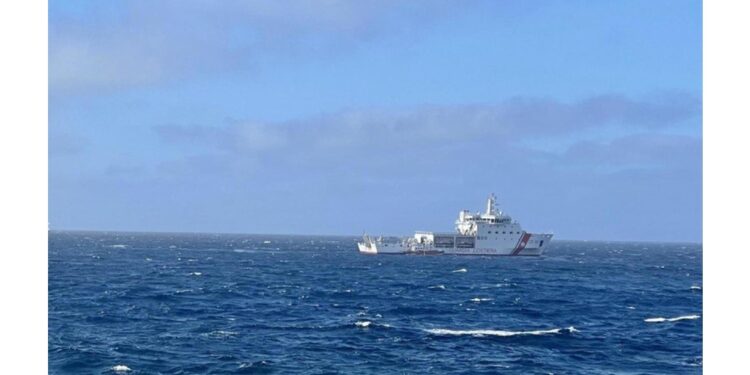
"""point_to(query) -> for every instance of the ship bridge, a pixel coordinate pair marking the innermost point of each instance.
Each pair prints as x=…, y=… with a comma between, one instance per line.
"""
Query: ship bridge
x=469, y=224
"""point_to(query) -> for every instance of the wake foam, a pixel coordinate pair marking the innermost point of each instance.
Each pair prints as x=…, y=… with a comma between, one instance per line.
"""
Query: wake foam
x=662, y=320
x=500, y=333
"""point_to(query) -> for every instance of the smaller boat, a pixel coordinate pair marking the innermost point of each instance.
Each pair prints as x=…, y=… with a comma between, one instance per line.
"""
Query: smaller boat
x=379, y=245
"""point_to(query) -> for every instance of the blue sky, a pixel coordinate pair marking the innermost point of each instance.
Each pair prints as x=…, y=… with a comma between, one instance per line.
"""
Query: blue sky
x=334, y=117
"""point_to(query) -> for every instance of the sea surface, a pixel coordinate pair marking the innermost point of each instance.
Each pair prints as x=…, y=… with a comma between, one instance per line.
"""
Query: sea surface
x=126, y=303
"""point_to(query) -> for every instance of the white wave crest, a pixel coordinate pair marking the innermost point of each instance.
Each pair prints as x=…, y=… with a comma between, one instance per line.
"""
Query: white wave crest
x=477, y=299
x=661, y=319
x=196, y=273
x=460, y=270
x=696, y=287
x=220, y=334
x=441, y=286
x=493, y=332
x=119, y=246
x=363, y=323
x=120, y=368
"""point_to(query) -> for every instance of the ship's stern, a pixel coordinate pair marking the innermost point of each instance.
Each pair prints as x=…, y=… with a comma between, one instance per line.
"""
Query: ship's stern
x=367, y=247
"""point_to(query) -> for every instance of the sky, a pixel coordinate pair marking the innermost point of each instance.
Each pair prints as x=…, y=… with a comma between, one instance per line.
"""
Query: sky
x=338, y=117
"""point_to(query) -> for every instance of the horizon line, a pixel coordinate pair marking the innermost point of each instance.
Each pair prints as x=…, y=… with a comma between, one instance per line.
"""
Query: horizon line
x=49, y=230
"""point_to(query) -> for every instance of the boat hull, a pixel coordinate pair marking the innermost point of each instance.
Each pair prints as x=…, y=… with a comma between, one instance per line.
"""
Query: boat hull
x=528, y=244
x=373, y=248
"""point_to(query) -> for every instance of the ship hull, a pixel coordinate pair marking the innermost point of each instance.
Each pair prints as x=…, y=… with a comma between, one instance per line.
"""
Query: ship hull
x=528, y=244
x=374, y=248
x=495, y=252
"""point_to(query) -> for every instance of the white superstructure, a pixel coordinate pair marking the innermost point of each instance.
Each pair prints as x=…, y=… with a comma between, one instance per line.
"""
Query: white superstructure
x=490, y=233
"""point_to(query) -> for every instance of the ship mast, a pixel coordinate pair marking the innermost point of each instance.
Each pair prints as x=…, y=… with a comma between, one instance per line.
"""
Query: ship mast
x=491, y=204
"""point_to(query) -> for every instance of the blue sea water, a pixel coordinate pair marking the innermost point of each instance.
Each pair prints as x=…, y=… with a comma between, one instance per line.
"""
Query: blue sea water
x=124, y=303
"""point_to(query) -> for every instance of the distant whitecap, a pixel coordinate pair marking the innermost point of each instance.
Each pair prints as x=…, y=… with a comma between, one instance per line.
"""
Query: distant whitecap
x=477, y=299
x=661, y=319
x=500, y=333
x=120, y=368
x=363, y=323
x=220, y=334
x=460, y=270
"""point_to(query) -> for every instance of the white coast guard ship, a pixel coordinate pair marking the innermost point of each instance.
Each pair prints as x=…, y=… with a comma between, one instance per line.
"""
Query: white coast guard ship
x=491, y=233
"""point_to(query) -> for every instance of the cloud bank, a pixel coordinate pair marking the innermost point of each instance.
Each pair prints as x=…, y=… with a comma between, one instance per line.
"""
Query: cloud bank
x=515, y=123
x=138, y=43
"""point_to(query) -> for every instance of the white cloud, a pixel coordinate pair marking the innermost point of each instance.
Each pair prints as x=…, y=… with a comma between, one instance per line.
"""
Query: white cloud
x=142, y=43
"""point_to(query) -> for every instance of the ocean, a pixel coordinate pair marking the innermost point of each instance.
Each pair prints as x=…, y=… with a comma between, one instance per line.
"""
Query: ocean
x=134, y=303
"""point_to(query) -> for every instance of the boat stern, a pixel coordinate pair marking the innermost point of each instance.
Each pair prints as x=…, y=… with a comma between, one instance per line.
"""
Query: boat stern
x=367, y=248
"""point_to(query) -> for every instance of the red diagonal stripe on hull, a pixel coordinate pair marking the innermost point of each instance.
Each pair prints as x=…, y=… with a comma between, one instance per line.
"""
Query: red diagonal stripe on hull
x=522, y=243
